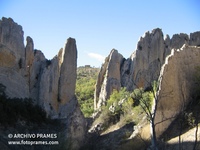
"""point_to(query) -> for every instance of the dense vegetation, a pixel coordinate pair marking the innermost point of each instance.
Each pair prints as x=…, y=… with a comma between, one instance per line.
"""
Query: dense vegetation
x=85, y=86
x=15, y=110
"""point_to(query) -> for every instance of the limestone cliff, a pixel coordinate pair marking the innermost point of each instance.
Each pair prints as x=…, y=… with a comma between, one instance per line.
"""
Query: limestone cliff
x=26, y=73
x=144, y=64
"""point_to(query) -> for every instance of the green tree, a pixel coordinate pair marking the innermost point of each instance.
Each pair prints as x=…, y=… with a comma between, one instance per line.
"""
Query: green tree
x=146, y=99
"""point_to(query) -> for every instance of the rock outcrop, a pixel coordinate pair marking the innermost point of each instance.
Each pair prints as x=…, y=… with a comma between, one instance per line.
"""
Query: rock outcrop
x=144, y=64
x=177, y=84
x=26, y=73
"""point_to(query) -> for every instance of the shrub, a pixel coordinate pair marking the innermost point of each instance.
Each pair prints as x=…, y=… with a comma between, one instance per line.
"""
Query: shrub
x=125, y=106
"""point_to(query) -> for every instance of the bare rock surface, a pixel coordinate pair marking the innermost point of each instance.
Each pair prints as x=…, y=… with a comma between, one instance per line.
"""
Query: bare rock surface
x=176, y=85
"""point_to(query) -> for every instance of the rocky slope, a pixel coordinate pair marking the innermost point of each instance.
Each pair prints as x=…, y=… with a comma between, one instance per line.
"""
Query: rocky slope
x=26, y=73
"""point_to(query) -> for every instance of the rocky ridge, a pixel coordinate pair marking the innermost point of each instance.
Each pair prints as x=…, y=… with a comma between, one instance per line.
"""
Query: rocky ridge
x=143, y=66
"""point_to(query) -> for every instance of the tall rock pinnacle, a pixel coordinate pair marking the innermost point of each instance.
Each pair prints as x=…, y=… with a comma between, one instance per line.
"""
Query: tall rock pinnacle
x=67, y=79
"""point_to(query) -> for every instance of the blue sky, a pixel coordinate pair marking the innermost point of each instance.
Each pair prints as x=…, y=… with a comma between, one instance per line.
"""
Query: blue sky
x=99, y=25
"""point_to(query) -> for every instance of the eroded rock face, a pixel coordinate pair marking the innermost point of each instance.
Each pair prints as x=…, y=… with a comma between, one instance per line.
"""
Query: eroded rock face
x=11, y=35
x=176, y=85
x=34, y=73
x=12, y=59
x=48, y=91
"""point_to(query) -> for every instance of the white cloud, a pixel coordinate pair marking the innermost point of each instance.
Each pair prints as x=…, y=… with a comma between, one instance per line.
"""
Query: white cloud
x=96, y=56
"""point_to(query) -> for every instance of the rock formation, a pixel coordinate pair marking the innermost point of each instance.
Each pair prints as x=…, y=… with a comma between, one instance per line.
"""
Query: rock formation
x=26, y=73
x=108, y=78
x=177, y=84
x=144, y=64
